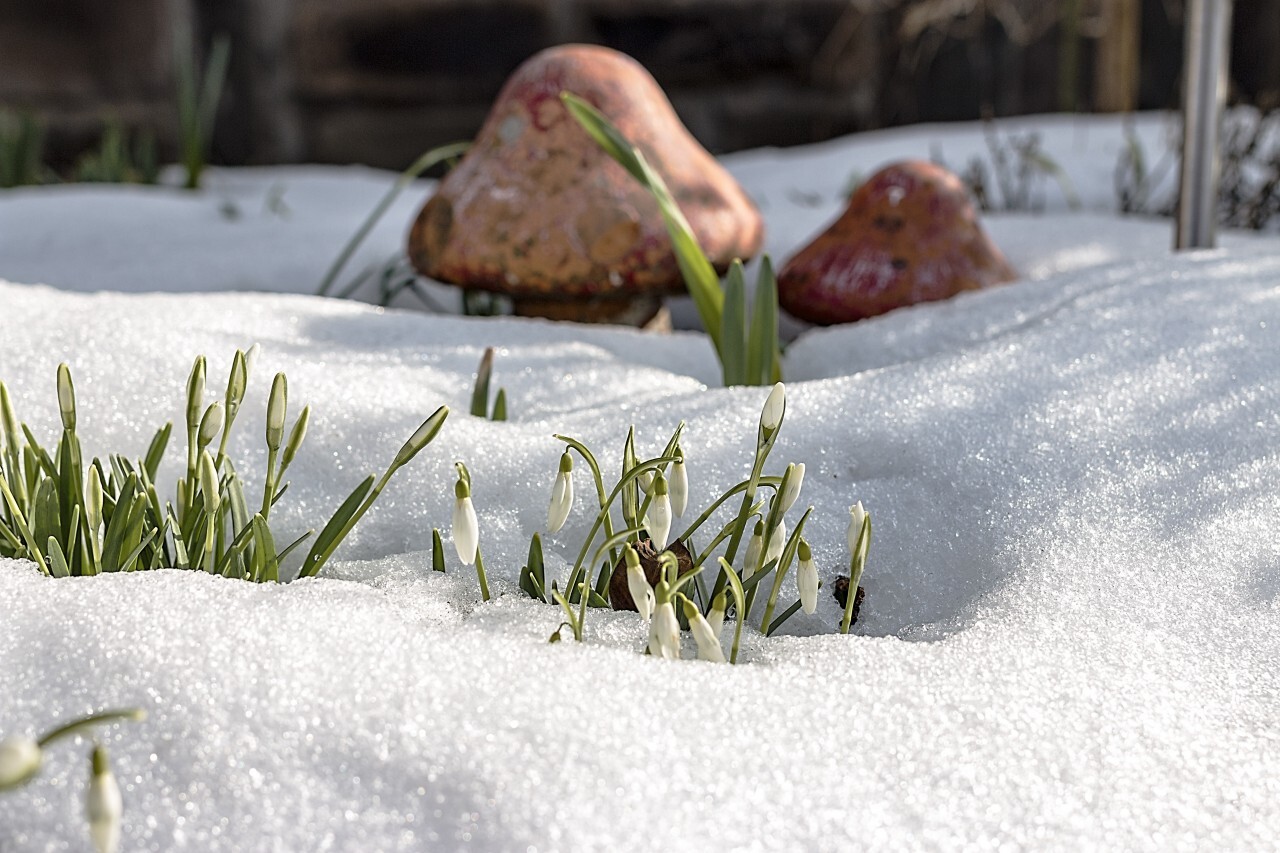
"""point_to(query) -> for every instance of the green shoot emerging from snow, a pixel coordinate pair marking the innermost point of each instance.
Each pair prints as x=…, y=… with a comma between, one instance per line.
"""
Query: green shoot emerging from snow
x=630, y=540
x=480, y=393
x=75, y=520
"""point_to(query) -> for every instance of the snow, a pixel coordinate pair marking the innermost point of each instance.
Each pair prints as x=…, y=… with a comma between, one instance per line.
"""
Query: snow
x=1072, y=633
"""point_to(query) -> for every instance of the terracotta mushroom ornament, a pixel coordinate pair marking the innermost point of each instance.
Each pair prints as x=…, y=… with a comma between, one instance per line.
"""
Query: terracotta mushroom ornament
x=909, y=234
x=536, y=210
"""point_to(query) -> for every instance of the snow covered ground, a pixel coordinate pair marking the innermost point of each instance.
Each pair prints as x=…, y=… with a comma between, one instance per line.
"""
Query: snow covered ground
x=1072, y=634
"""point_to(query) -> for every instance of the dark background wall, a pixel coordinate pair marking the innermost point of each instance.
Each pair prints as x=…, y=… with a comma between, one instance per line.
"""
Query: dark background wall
x=378, y=81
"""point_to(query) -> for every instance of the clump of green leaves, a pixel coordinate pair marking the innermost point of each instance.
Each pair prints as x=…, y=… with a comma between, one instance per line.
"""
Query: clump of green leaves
x=199, y=93
x=749, y=353
x=118, y=159
x=21, y=150
x=72, y=519
x=480, y=407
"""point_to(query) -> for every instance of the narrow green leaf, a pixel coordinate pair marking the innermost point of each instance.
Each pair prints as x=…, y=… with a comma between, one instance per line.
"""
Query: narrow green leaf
x=733, y=328
x=763, y=358
x=155, y=451
x=265, y=560
x=437, y=551
x=500, y=405
x=783, y=617
x=480, y=392
x=57, y=560
x=331, y=536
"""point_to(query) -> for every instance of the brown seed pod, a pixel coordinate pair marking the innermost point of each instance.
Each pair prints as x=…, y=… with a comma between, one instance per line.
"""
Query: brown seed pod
x=620, y=594
x=840, y=591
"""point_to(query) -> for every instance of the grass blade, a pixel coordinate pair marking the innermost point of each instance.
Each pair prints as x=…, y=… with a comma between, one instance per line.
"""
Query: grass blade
x=763, y=351
x=480, y=392
x=733, y=328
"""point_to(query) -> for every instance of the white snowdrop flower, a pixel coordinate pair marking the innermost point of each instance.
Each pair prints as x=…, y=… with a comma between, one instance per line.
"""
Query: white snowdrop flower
x=103, y=805
x=771, y=414
x=637, y=583
x=20, y=758
x=794, y=479
x=66, y=397
x=277, y=405
x=776, y=542
x=857, y=516
x=561, y=495
x=209, y=483
x=679, y=485
x=664, y=632
x=251, y=358
x=807, y=578
x=706, y=638
x=752, y=560
x=466, y=528
x=715, y=618
x=645, y=479
x=659, y=518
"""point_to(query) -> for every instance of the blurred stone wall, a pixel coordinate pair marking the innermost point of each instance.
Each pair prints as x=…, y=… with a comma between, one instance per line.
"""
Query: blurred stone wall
x=378, y=81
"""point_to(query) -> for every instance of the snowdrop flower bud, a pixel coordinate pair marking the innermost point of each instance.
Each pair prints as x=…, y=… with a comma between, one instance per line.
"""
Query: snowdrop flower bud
x=703, y=635
x=771, y=414
x=679, y=485
x=752, y=561
x=793, y=479
x=637, y=583
x=277, y=404
x=659, y=522
x=715, y=618
x=423, y=436
x=561, y=495
x=466, y=529
x=776, y=542
x=20, y=758
x=210, y=425
x=66, y=398
x=104, y=805
x=93, y=499
x=251, y=358
x=195, y=394
x=807, y=579
x=646, y=481
x=296, y=436
x=8, y=419
x=664, y=629
x=857, y=516
x=237, y=382
x=209, y=482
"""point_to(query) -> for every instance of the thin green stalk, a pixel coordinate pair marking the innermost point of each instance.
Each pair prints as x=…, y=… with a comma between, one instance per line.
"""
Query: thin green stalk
x=788, y=554
x=856, y=564
x=422, y=164
x=132, y=714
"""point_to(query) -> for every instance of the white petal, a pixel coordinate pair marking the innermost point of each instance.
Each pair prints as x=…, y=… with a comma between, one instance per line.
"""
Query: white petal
x=776, y=542
x=679, y=488
x=857, y=516
x=561, y=502
x=807, y=582
x=771, y=414
x=466, y=530
x=660, y=521
x=664, y=632
x=794, y=483
x=641, y=592
x=103, y=808
x=19, y=758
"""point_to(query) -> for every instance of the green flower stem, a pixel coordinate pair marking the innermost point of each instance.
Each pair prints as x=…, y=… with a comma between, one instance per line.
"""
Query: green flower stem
x=572, y=617
x=764, y=444
x=856, y=564
x=482, y=576
x=788, y=554
x=739, y=599
x=772, y=482
x=131, y=714
x=426, y=161
x=727, y=531
x=608, y=545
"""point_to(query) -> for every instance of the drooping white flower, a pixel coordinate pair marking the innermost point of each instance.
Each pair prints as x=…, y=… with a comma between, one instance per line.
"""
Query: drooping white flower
x=561, y=495
x=774, y=406
x=794, y=479
x=857, y=516
x=466, y=528
x=807, y=578
x=752, y=559
x=664, y=630
x=707, y=639
x=679, y=485
x=776, y=542
x=20, y=758
x=715, y=618
x=637, y=583
x=659, y=516
x=103, y=805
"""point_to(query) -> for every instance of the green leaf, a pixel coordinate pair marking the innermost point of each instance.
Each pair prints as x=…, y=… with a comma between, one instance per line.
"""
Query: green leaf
x=57, y=560
x=155, y=452
x=733, y=349
x=46, y=517
x=480, y=392
x=763, y=349
x=535, y=563
x=783, y=617
x=437, y=551
x=266, y=562
x=500, y=405
x=137, y=550
x=333, y=533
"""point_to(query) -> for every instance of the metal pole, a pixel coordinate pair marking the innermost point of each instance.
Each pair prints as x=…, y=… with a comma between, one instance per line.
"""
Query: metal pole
x=1208, y=49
